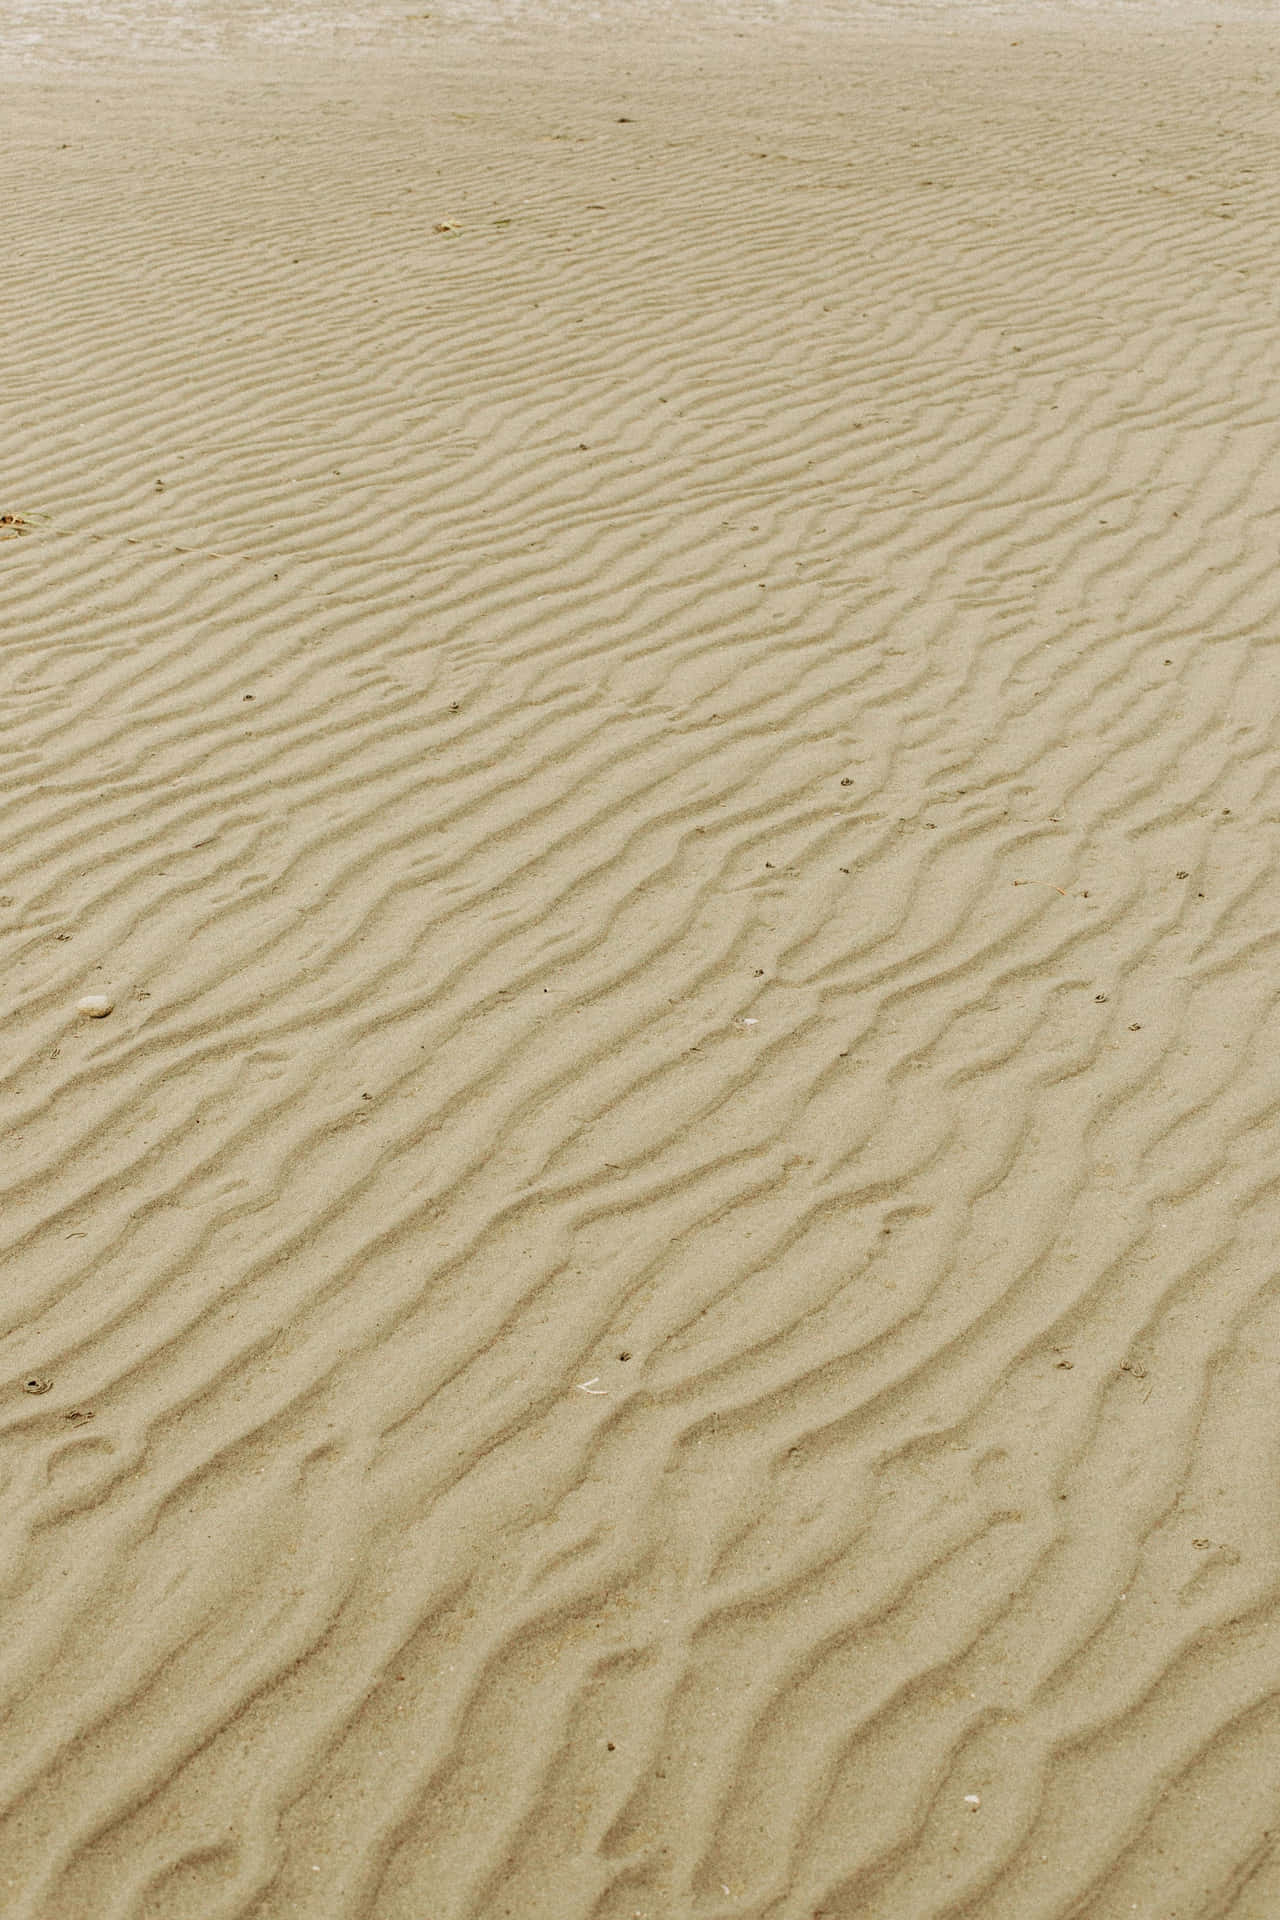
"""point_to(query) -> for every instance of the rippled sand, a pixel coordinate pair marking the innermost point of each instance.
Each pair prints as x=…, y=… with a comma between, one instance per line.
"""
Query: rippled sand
x=644, y=661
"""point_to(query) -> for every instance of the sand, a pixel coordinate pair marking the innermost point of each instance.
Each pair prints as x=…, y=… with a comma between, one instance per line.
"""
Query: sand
x=642, y=656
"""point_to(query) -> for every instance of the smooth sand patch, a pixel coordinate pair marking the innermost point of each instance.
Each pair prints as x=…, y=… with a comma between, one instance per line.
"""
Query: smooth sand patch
x=643, y=663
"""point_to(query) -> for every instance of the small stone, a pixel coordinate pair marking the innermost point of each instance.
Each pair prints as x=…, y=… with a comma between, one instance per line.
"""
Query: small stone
x=95, y=1005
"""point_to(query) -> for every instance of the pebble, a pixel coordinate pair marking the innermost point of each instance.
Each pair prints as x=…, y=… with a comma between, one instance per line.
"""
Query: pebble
x=96, y=1005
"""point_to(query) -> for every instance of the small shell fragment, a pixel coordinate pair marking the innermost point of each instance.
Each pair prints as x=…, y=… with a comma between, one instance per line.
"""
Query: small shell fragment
x=95, y=1005
x=973, y=1801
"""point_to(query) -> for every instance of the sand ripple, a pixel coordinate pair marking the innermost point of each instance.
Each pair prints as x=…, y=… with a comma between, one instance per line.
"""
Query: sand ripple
x=652, y=688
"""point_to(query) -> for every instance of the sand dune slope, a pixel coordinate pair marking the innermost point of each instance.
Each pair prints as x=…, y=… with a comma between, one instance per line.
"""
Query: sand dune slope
x=649, y=672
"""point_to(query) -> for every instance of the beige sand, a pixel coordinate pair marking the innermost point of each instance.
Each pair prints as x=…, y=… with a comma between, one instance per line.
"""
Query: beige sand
x=646, y=661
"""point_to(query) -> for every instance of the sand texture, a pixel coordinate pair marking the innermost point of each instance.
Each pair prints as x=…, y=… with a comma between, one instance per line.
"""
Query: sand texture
x=644, y=664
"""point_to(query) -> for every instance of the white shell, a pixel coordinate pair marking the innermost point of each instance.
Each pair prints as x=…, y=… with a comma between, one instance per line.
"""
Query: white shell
x=96, y=1005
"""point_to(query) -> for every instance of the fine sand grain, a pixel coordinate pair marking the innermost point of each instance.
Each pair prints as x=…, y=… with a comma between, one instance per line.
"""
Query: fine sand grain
x=640, y=689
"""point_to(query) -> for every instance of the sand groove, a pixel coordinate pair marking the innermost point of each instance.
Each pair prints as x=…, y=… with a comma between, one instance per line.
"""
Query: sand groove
x=663, y=1276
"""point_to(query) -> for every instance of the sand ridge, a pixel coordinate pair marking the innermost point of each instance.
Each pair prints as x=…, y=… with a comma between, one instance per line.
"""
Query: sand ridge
x=646, y=673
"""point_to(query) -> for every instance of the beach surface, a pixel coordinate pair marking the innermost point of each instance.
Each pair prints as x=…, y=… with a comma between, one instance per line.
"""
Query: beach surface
x=641, y=665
